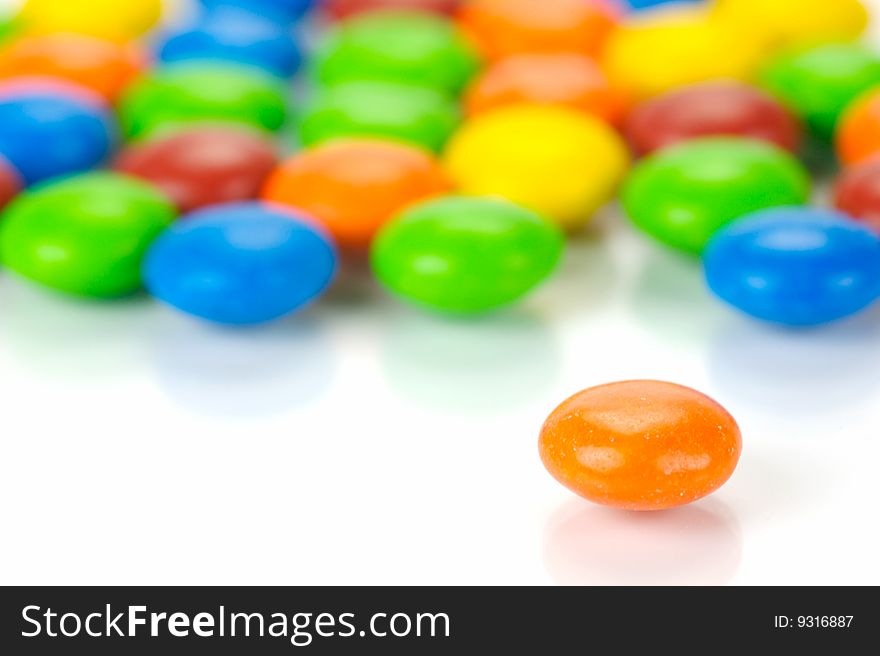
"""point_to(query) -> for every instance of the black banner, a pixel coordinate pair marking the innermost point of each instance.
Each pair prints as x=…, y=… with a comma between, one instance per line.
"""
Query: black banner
x=166, y=621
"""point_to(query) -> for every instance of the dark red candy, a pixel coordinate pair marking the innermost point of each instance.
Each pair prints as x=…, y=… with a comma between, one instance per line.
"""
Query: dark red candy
x=10, y=183
x=711, y=109
x=346, y=8
x=203, y=166
x=857, y=192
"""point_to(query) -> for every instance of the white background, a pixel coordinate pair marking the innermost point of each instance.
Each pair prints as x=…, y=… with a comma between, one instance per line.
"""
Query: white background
x=363, y=442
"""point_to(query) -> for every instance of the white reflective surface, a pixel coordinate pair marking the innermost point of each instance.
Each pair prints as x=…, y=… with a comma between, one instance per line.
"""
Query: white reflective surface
x=365, y=442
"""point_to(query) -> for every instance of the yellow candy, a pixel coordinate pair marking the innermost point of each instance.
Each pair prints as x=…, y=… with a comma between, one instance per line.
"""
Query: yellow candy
x=556, y=161
x=790, y=23
x=656, y=51
x=114, y=20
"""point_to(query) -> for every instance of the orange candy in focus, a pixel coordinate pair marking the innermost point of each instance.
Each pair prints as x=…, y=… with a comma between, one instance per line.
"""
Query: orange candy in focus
x=858, y=133
x=501, y=28
x=560, y=79
x=102, y=66
x=641, y=445
x=355, y=186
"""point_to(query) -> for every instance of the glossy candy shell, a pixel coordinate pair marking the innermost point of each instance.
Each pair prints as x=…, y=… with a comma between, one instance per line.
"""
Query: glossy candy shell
x=501, y=28
x=858, y=133
x=641, y=445
x=556, y=161
x=10, y=183
x=115, y=20
x=236, y=36
x=203, y=166
x=240, y=264
x=341, y=9
x=819, y=83
x=397, y=46
x=84, y=235
x=574, y=81
x=683, y=194
x=465, y=255
x=641, y=5
x=103, y=67
x=857, y=192
x=45, y=134
x=279, y=10
x=179, y=95
x=411, y=114
x=660, y=51
x=786, y=24
x=795, y=266
x=711, y=109
x=353, y=187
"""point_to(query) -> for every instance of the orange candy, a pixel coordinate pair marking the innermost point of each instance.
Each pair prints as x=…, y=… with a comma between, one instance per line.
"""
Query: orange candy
x=641, y=445
x=104, y=67
x=501, y=28
x=858, y=132
x=355, y=186
x=572, y=80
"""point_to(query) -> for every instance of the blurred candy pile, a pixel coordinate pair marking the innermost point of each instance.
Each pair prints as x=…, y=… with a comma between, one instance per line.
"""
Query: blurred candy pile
x=227, y=160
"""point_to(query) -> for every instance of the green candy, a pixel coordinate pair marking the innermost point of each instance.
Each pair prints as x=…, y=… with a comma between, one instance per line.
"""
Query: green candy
x=84, y=235
x=395, y=46
x=683, y=194
x=466, y=255
x=380, y=109
x=819, y=83
x=186, y=93
x=8, y=28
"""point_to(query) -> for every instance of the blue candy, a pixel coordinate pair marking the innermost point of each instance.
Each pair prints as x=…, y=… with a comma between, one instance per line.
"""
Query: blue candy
x=240, y=264
x=44, y=134
x=229, y=34
x=286, y=10
x=795, y=266
x=650, y=4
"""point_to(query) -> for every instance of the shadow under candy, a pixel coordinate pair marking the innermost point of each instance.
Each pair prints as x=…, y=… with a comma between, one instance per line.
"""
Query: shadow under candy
x=793, y=373
x=585, y=279
x=819, y=157
x=477, y=365
x=700, y=544
x=69, y=337
x=247, y=373
x=354, y=285
x=670, y=298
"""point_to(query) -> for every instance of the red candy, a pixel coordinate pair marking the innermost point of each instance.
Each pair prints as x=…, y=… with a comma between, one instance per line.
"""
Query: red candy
x=203, y=166
x=715, y=108
x=10, y=183
x=346, y=8
x=857, y=192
